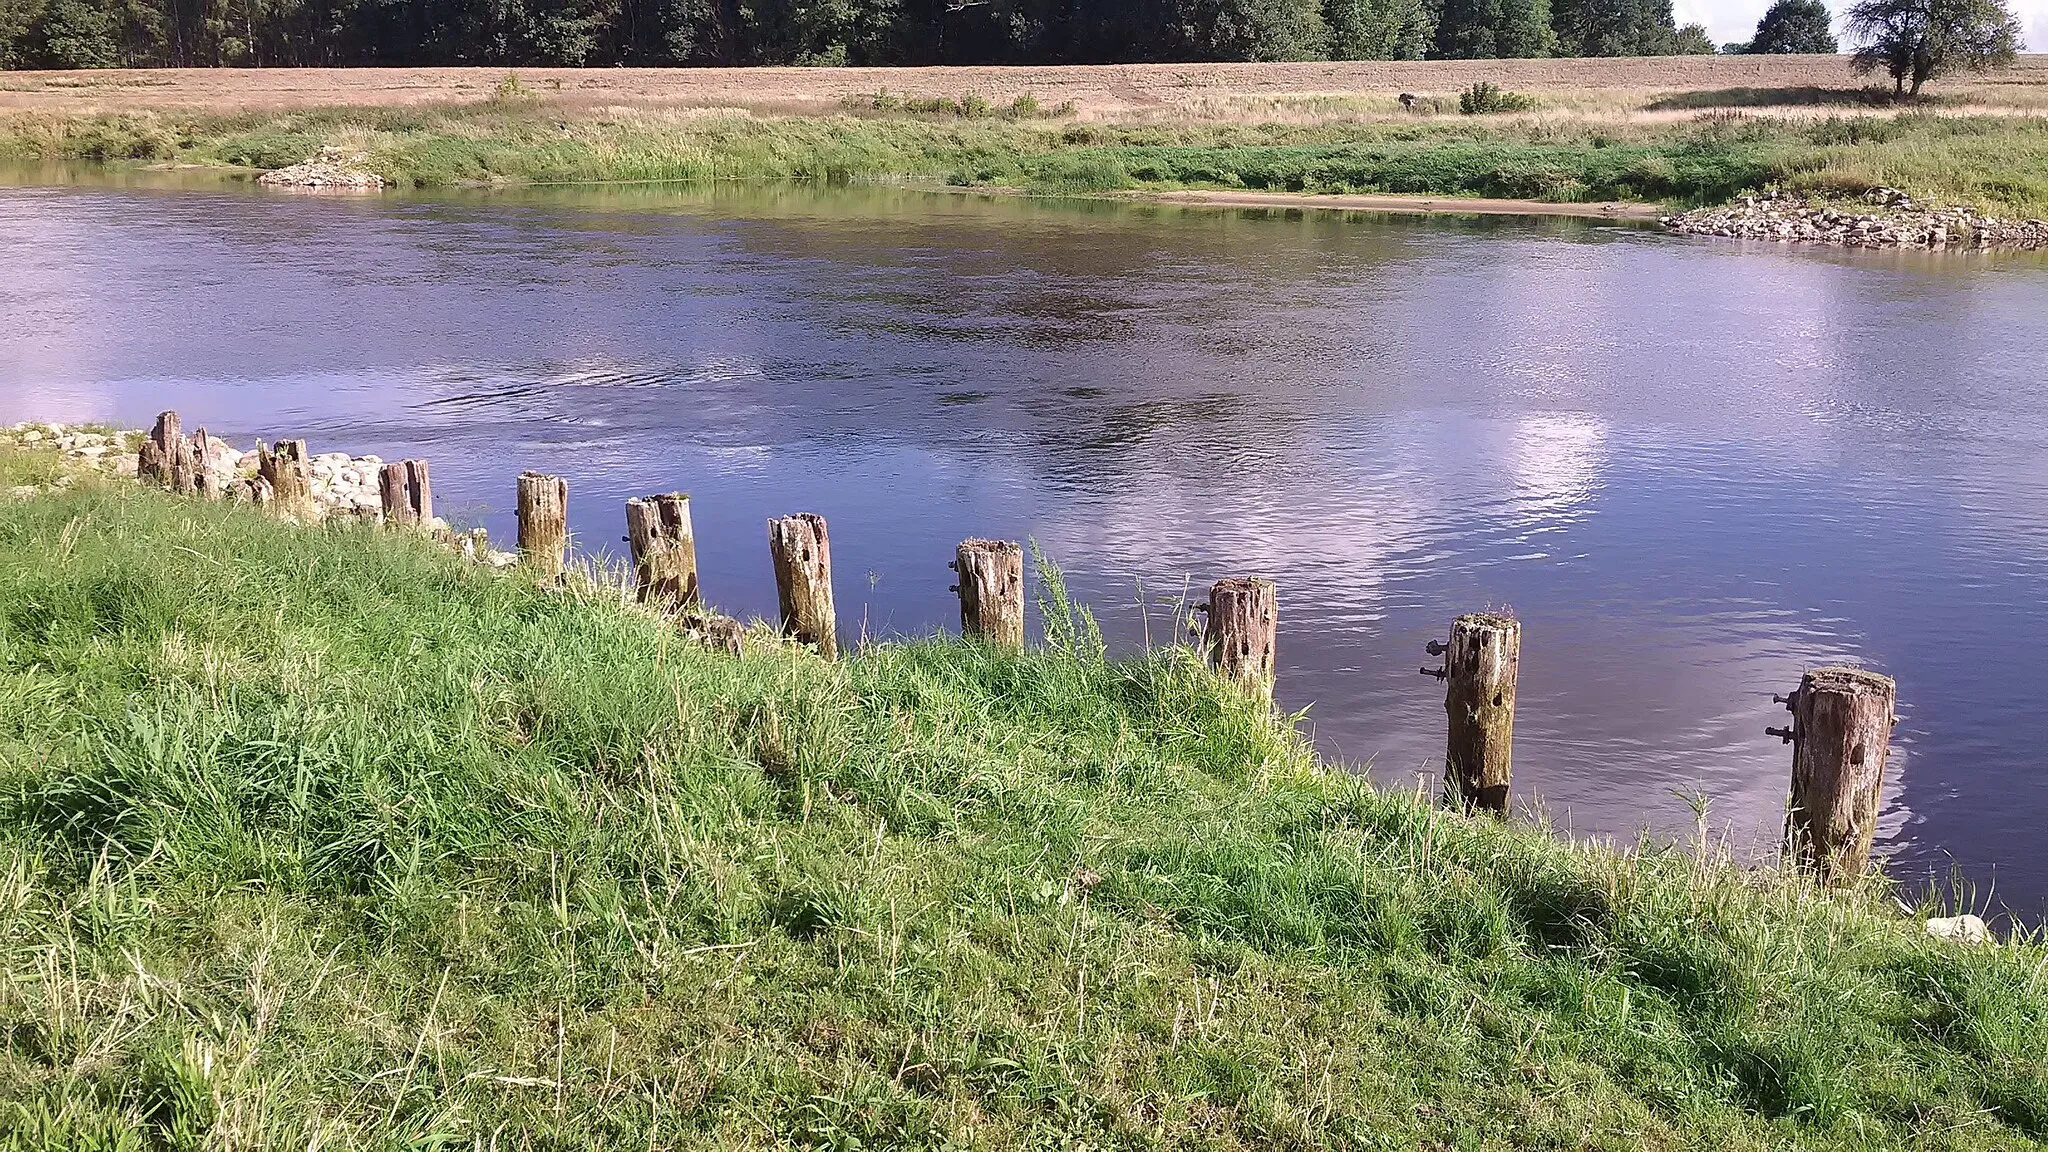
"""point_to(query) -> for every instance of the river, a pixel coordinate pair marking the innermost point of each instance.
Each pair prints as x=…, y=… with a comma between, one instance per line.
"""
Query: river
x=1692, y=468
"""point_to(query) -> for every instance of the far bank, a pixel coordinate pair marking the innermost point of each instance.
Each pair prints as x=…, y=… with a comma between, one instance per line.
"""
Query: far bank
x=1981, y=145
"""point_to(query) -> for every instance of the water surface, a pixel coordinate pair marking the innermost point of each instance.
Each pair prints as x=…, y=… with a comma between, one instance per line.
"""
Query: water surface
x=1692, y=468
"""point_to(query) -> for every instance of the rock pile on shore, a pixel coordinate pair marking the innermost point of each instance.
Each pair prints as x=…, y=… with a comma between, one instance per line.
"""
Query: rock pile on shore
x=343, y=485
x=1887, y=218
x=332, y=168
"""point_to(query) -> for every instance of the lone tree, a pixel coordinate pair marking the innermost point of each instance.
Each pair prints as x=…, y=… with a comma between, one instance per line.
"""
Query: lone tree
x=1918, y=40
x=1795, y=26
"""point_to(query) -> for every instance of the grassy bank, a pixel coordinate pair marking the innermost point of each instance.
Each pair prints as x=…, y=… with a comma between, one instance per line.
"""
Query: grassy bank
x=320, y=837
x=1998, y=163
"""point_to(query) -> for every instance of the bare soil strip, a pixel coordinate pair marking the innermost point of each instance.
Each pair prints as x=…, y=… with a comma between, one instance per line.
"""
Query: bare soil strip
x=1125, y=92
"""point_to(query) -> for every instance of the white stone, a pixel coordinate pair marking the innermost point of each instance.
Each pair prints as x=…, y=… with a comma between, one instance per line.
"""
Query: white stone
x=1964, y=929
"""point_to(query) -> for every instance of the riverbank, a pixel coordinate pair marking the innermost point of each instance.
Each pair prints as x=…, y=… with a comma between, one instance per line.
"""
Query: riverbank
x=324, y=835
x=1984, y=147
x=1425, y=205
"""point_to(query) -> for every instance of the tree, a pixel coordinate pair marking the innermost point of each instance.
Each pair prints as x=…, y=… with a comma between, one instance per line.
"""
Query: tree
x=1919, y=40
x=1795, y=26
x=1614, y=27
x=1379, y=29
x=74, y=34
x=1692, y=40
x=17, y=17
x=1485, y=29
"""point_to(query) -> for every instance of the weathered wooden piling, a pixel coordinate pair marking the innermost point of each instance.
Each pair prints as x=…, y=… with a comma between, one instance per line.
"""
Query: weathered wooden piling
x=991, y=590
x=1243, y=626
x=802, y=555
x=1841, y=737
x=407, y=493
x=165, y=457
x=544, y=523
x=204, y=480
x=664, y=550
x=1481, y=666
x=290, y=472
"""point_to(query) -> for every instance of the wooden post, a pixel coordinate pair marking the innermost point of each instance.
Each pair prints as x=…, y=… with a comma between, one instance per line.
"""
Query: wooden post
x=165, y=457
x=991, y=591
x=544, y=523
x=664, y=550
x=204, y=480
x=1841, y=737
x=803, y=580
x=1481, y=665
x=1244, y=621
x=406, y=492
x=290, y=472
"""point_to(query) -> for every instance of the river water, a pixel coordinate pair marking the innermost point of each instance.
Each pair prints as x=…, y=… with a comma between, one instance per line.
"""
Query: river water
x=1691, y=468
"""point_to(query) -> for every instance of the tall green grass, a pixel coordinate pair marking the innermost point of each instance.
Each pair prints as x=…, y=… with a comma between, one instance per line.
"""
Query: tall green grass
x=1999, y=163
x=321, y=837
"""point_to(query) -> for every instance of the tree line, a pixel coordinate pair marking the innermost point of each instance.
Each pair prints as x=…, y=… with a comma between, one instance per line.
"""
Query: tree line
x=286, y=33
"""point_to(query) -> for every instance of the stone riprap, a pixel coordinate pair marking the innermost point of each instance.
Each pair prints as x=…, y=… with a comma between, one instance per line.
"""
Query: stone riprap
x=1886, y=218
x=344, y=486
x=334, y=168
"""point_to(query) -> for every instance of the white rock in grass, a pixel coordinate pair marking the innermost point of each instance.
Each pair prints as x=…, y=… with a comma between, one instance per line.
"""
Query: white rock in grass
x=1964, y=929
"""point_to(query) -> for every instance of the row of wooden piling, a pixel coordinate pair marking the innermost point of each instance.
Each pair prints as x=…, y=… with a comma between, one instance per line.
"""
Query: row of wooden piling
x=1842, y=718
x=284, y=475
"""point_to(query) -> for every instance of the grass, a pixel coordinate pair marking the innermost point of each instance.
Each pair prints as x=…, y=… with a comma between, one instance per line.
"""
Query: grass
x=1997, y=163
x=323, y=838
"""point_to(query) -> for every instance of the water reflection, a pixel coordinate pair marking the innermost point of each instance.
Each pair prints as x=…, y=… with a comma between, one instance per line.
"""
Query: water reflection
x=1691, y=469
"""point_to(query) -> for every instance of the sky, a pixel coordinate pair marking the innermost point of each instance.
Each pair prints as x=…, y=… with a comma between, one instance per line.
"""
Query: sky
x=1732, y=20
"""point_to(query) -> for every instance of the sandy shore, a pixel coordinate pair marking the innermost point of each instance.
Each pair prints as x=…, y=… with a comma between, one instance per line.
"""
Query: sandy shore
x=1431, y=205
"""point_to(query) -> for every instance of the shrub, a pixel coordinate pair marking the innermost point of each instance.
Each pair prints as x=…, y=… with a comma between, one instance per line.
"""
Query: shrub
x=511, y=90
x=1487, y=97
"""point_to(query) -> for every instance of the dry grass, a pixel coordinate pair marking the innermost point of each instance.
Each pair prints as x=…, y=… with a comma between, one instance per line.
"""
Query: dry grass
x=1652, y=88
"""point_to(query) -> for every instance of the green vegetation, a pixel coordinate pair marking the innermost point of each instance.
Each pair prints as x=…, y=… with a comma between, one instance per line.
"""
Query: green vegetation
x=1485, y=97
x=972, y=106
x=323, y=837
x=1997, y=163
